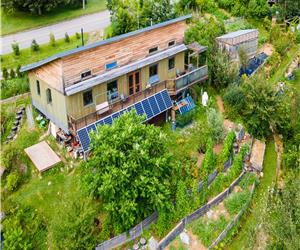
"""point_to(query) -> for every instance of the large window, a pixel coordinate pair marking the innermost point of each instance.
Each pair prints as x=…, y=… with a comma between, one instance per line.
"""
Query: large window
x=112, y=90
x=153, y=70
x=171, y=63
x=134, y=82
x=87, y=97
x=48, y=95
x=38, y=87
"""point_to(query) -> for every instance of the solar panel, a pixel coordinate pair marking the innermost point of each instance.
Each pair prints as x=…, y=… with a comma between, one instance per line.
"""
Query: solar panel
x=151, y=106
x=160, y=102
x=84, y=138
x=154, y=105
x=115, y=115
x=189, y=106
x=167, y=98
x=108, y=120
x=139, y=108
x=91, y=127
x=147, y=108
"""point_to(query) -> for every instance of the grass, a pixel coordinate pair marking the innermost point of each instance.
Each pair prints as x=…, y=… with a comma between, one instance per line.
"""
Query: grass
x=236, y=201
x=28, y=56
x=245, y=238
x=288, y=58
x=19, y=21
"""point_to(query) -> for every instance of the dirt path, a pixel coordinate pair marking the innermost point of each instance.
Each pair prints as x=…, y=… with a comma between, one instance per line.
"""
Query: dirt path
x=220, y=104
x=279, y=151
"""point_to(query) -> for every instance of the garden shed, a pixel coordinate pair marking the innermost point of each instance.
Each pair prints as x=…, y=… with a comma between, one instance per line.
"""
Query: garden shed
x=232, y=42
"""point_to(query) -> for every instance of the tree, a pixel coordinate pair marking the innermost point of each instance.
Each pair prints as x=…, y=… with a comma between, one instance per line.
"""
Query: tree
x=243, y=57
x=265, y=109
x=290, y=7
x=182, y=200
x=52, y=40
x=12, y=74
x=67, y=38
x=15, y=48
x=216, y=126
x=130, y=170
x=258, y=8
x=74, y=228
x=5, y=74
x=34, y=45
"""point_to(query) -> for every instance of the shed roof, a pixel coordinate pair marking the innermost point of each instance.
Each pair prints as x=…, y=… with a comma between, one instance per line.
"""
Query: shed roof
x=102, y=42
x=42, y=156
x=236, y=34
x=196, y=47
x=114, y=73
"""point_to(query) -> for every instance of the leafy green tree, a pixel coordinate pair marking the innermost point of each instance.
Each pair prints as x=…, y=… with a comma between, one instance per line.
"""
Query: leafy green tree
x=130, y=170
x=5, y=74
x=216, y=126
x=258, y=8
x=34, y=45
x=12, y=74
x=74, y=228
x=265, y=109
x=52, y=41
x=67, y=38
x=291, y=8
x=16, y=49
x=182, y=206
x=243, y=57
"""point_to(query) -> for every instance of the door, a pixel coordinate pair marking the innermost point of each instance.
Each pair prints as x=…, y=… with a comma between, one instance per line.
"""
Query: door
x=134, y=84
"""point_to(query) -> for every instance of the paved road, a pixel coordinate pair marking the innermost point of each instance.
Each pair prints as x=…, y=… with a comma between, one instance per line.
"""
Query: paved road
x=92, y=22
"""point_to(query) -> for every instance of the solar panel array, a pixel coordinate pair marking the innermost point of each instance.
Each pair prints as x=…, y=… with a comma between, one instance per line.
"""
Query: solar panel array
x=186, y=108
x=150, y=106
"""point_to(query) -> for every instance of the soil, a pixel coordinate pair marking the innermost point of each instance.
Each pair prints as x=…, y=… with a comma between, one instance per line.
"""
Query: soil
x=217, y=148
x=195, y=243
x=200, y=159
x=229, y=125
x=267, y=48
x=237, y=189
x=219, y=211
x=220, y=104
x=261, y=240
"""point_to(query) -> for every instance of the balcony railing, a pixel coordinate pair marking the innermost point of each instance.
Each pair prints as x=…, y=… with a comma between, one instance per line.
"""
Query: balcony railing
x=188, y=79
x=115, y=105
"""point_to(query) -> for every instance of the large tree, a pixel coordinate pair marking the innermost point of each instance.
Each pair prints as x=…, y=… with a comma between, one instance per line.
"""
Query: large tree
x=130, y=170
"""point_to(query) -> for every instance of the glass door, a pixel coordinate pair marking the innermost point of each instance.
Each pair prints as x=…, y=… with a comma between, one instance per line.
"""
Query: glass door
x=134, y=84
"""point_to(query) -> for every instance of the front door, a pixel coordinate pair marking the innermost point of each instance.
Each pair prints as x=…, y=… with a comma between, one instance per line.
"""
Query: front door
x=134, y=84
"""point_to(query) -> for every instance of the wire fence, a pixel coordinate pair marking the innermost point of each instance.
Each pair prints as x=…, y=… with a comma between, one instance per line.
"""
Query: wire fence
x=198, y=213
x=233, y=221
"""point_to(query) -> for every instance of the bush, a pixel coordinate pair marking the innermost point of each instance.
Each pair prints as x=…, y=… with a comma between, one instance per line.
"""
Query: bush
x=281, y=44
x=226, y=149
x=12, y=181
x=77, y=35
x=34, y=45
x=234, y=98
x=18, y=72
x=12, y=74
x=235, y=202
x=5, y=73
x=185, y=119
x=52, y=40
x=208, y=163
x=12, y=87
x=67, y=38
x=298, y=37
x=16, y=49
x=215, y=123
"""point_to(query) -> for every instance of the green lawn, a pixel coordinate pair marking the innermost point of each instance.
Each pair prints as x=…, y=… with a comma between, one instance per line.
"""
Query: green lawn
x=249, y=224
x=21, y=21
x=28, y=56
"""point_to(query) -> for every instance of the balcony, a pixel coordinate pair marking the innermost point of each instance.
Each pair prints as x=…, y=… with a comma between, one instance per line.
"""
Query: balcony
x=188, y=79
x=115, y=103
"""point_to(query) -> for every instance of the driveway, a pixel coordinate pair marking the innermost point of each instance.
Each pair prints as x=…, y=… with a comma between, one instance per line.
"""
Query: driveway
x=92, y=22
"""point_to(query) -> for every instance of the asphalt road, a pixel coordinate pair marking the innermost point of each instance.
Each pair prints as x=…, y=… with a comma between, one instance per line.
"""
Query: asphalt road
x=92, y=22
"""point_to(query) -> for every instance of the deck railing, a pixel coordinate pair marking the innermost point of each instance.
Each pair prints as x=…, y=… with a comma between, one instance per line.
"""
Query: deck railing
x=188, y=79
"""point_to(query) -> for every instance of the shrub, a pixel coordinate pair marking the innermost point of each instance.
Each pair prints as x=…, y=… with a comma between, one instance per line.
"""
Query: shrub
x=12, y=181
x=18, y=72
x=12, y=74
x=234, y=98
x=215, y=123
x=226, y=149
x=77, y=35
x=209, y=160
x=52, y=40
x=12, y=87
x=281, y=44
x=235, y=202
x=34, y=45
x=5, y=73
x=298, y=37
x=67, y=38
x=185, y=119
x=16, y=49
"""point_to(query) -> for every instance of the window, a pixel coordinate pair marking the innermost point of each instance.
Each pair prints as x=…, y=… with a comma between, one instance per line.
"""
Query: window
x=171, y=63
x=171, y=43
x=86, y=74
x=153, y=70
x=48, y=95
x=134, y=82
x=112, y=90
x=111, y=65
x=38, y=88
x=153, y=50
x=87, y=97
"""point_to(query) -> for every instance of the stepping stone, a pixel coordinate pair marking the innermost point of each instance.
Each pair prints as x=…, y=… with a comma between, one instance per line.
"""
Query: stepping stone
x=184, y=238
x=152, y=244
x=143, y=241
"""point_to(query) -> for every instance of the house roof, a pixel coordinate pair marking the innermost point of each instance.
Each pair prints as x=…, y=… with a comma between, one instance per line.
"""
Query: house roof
x=236, y=34
x=114, y=73
x=100, y=43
